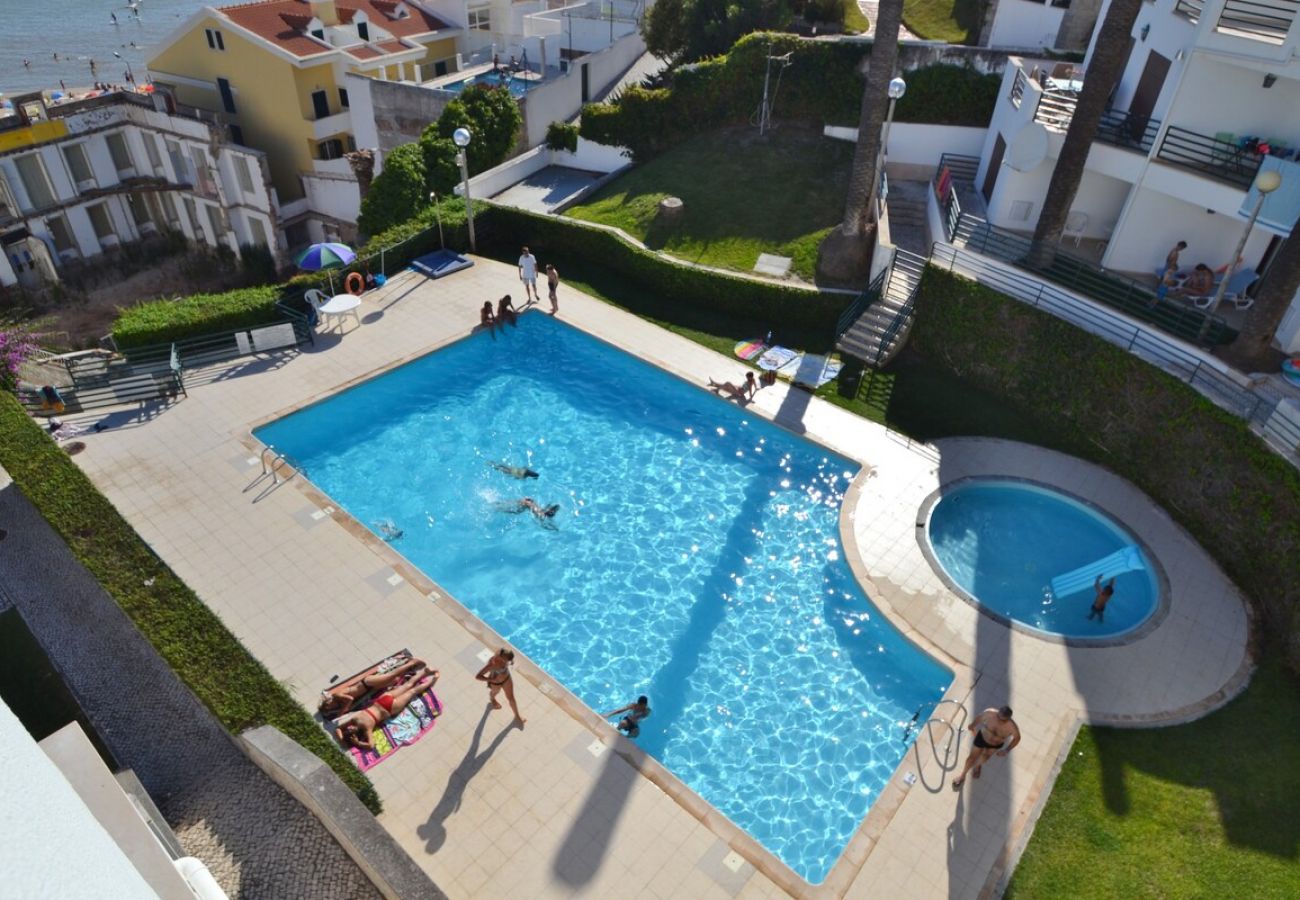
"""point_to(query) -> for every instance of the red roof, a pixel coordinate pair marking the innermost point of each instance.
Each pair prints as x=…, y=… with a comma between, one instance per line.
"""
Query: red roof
x=284, y=22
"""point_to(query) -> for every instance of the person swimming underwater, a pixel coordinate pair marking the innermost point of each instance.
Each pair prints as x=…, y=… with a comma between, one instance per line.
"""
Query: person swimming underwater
x=520, y=472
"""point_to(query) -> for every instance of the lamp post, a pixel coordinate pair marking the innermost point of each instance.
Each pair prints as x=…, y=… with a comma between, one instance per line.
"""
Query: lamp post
x=130, y=76
x=897, y=88
x=461, y=137
x=437, y=214
x=1266, y=183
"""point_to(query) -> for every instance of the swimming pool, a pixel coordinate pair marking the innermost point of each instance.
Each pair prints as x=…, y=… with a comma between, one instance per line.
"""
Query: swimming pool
x=518, y=86
x=1003, y=542
x=696, y=559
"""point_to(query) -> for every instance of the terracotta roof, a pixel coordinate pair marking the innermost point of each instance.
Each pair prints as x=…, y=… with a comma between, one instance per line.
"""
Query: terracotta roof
x=394, y=47
x=363, y=52
x=284, y=22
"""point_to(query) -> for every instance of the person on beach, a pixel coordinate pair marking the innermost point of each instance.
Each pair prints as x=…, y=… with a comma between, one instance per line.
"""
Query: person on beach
x=357, y=729
x=496, y=674
x=552, y=286
x=528, y=275
x=337, y=701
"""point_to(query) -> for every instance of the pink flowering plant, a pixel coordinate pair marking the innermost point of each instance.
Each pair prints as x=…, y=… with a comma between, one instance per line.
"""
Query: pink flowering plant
x=16, y=345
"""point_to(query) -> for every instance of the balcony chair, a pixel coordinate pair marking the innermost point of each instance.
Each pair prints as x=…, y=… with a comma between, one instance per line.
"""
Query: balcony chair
x=1238, y=284
x=1075, y=224
x=334, y=307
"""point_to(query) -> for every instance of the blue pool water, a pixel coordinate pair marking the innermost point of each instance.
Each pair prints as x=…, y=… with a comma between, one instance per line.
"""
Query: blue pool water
x=518, y=86
x=696, y=559
x=1004, y=541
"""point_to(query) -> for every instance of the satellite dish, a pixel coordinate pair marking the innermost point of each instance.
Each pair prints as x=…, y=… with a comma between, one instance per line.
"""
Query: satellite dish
x=1028, y=148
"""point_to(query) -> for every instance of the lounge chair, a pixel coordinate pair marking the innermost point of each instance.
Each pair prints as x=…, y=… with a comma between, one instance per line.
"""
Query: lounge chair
x=1238, y=284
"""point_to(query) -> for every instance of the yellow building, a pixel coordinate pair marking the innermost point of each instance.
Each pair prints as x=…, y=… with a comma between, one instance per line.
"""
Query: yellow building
x=275, y=72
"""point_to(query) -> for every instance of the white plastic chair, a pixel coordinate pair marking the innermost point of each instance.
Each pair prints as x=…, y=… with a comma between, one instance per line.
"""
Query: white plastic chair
x=1075, y=224
x=334, y=307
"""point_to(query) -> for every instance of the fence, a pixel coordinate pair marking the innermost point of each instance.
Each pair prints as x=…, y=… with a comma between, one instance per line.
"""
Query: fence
x=859, y=306
x=1277, y=422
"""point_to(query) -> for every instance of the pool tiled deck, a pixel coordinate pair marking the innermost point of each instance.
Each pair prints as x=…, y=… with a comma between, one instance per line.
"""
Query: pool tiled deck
x=564, y=807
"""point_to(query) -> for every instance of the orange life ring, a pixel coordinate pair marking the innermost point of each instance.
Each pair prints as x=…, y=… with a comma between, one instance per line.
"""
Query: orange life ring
x=354, y=284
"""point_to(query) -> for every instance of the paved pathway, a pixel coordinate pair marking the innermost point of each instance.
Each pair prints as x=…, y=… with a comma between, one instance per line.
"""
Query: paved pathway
x=871, y=9
x=565, y=808
x=256, y=840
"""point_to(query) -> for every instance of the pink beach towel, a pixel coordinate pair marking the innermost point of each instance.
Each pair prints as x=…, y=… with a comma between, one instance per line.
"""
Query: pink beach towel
x=400, y=731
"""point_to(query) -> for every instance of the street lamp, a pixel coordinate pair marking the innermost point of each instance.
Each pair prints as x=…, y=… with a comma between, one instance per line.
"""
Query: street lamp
x=130, y=76
x=1266, y=183
x=897, y=88
x=461, y=137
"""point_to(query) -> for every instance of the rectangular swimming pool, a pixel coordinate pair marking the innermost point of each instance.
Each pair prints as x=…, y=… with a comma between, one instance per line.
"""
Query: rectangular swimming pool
x=695, y=558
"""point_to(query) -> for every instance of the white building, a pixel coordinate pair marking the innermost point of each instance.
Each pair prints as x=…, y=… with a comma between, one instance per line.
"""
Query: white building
x=1030, y=24
x=81, y=179
x=1208, y=84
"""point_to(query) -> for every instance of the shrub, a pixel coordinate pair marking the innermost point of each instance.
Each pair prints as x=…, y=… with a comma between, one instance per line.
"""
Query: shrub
x=16, y=344
x=693, y=29
x=398, y=193
x=1203, y=465
x=441, y=173
x=828, y=11
x=164, y=321
x=511, y=228
x=951, y=95
x=198, y=647
x=561, y=136
x=493, y=118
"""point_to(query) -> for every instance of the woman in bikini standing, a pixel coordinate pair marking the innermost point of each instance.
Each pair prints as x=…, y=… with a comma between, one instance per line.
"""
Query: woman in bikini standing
x=355, y=729
x=497, y=676
x=341, y=699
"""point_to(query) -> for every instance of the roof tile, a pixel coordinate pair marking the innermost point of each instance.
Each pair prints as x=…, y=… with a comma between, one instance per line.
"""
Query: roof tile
x=284, y=22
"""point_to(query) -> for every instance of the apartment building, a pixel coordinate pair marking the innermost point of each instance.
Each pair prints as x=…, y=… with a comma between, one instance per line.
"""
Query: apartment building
x=80, y=179
x=274, y=71
x=1210, y=96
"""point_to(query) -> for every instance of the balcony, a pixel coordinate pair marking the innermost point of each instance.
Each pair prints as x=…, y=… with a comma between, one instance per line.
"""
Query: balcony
x=1128, y=131
x=329, y=126
x=1268, y=21
x=1233, y=162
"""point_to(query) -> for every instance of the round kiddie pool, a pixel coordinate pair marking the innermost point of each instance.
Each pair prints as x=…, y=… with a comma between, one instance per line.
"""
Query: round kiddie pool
x=1031, y=554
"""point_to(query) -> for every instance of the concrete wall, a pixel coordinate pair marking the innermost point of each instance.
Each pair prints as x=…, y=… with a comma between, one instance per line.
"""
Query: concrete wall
x=560, y=100
x=918, y=145
x=399, y=112
x=1025, y=23
x=330, y=195
x=914, y=55
x=590, y=156
x=1156, y=221
x=1215, y=96
x=307, y=779
x=53, y=845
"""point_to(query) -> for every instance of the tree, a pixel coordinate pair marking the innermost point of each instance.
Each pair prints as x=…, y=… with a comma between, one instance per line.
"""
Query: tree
x=689, y=30
x=493, y=118
x=441, y=172
x=1109, y=56
x=845, y=254
x=1253, y=351
x=398, y=193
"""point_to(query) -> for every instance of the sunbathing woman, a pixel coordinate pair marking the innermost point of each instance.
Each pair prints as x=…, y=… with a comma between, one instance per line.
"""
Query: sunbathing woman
x=497, y=675
x=341, y=699
x=744, y=393
x=356, y=729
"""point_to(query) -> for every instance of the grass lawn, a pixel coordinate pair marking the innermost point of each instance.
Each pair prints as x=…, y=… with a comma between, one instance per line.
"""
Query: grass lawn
x=954, y=21
x=854, y=20
x=744, y=195
x=1199, y=810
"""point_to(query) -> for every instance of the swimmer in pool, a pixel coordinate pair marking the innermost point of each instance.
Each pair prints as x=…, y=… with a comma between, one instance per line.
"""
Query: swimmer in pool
x=543, y=514
x=520, y=472
x=388, y=529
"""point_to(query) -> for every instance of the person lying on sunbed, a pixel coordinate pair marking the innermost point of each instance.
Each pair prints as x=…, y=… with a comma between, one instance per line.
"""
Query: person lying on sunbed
x=339, y=700
x=744, y=393
x=356, y=729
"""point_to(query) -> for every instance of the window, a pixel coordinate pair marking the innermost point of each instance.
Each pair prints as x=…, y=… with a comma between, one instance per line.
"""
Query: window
x=258, y=231
x=227, y=95
x=242, y=173
x=101, y=221
x=237, y=135
x=214, y=220
x=79, y=166
x=169, y=211
x=214, y=39
x=61, y=234
x=191, y=216
x=202, y=172
x=31, y=171
x=319, y=34
x=480, y=18
x=118, y=150
x=320, y=104
x=139, y=211
x=343, y=97
x=151, y=151
x=363, y=31
x=331, y=149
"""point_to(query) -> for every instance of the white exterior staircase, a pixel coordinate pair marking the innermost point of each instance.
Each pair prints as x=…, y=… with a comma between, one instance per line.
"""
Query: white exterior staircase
x=879, y=331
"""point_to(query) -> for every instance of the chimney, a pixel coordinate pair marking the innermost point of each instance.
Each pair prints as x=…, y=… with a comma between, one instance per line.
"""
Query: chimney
x=325, y=11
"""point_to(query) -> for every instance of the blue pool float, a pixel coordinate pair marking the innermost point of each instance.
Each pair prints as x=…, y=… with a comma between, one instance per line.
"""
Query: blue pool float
x=1126, y=559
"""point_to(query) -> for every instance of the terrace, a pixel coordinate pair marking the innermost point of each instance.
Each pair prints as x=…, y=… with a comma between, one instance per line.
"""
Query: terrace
x=586, y=812
x=1051, y=90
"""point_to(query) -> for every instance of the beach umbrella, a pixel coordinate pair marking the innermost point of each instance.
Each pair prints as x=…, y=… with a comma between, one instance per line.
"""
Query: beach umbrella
x=323, y=257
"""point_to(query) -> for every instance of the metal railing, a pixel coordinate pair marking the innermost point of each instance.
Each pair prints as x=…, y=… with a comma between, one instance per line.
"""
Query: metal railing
x=1216, y=158
x=1127, y=130
x=1191, y=9
x=1018, y=88
x=859, y=305
x=960, y=169
x=1150, y=345
x=1084, y=276
x=914, y=266
x=1263, y=20
x=1056, y=108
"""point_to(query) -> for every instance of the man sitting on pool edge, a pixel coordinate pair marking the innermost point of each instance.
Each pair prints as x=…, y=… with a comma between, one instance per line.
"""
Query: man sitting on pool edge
x=637, y=712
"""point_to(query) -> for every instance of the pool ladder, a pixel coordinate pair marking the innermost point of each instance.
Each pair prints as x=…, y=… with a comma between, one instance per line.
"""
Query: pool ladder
x=953, y=725
x=272, y=468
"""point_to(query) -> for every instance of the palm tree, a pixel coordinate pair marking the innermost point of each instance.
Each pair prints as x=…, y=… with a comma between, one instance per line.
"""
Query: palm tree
x=1109, y=56
x=1253, y=351
x=845, y=254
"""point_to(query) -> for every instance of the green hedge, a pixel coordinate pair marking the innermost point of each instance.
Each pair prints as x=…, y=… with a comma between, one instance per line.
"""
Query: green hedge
x=195, y=643
x=1203, y=465
x=821, y=84
x=512, y=228
x=164, y=321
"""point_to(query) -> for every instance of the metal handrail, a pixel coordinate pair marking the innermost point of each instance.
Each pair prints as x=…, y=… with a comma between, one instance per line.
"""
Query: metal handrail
x=859, y=305
x=1234, y=163
x=1128, y=130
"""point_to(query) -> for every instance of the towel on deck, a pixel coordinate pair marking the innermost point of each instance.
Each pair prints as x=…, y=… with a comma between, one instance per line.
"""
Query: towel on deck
x=777, y=358
x=404, y=729
x=814, y=370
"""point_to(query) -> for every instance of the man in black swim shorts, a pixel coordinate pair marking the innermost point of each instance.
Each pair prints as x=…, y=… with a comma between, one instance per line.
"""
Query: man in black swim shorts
x=995, y=732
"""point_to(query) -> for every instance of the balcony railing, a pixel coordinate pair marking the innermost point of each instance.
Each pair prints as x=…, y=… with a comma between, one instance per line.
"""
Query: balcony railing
x=1018, y=87
x=1056, y=109
x=1261, y=20
x=1222, y=160
x=1131, y=131
x=1192, y=9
